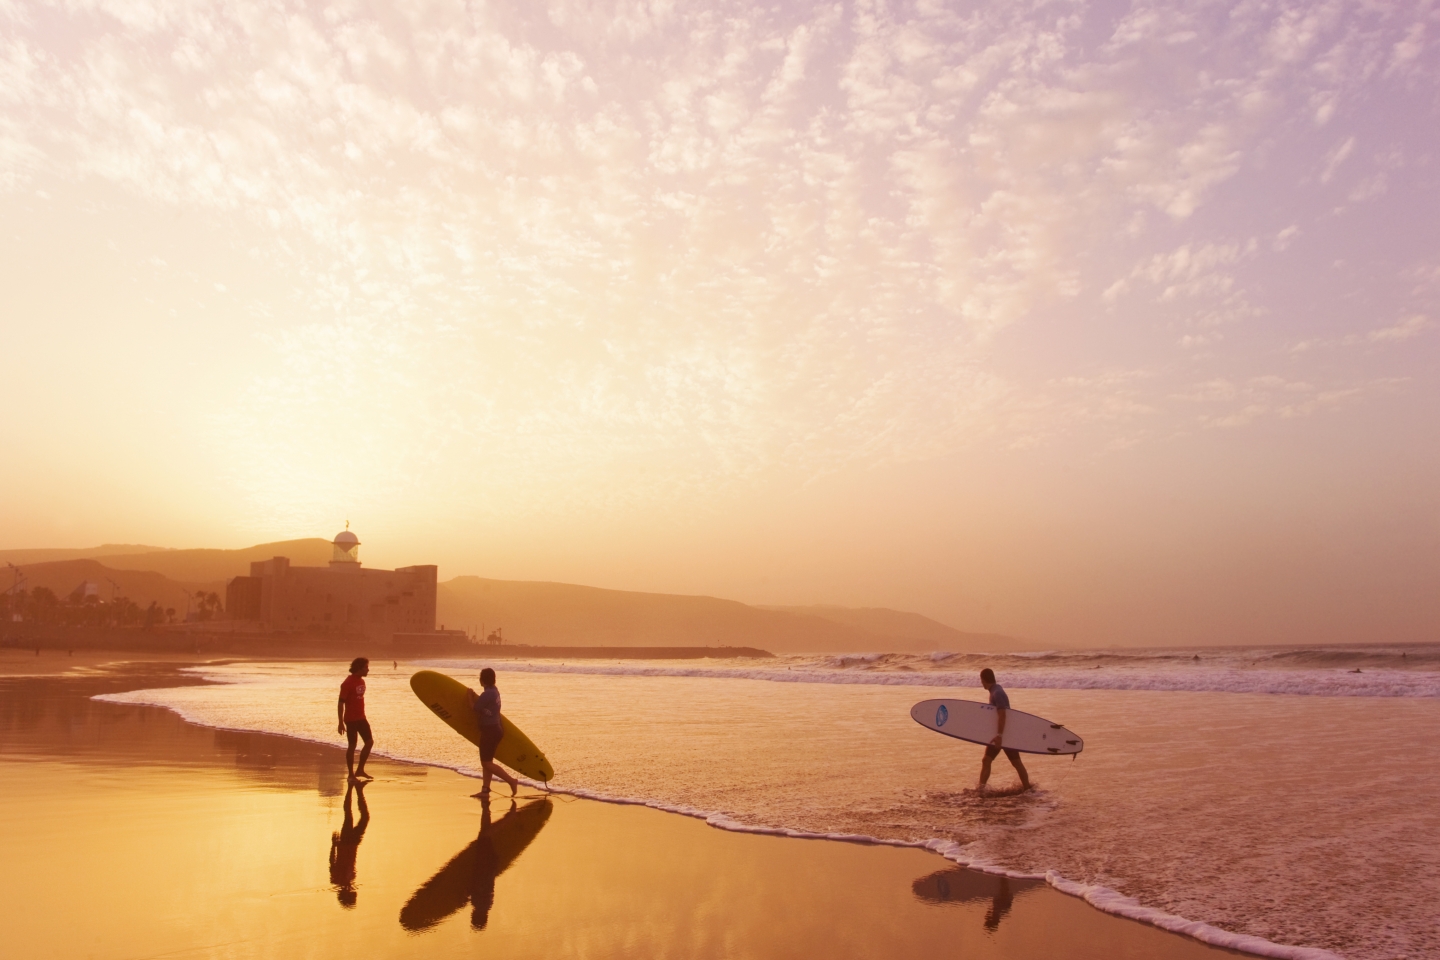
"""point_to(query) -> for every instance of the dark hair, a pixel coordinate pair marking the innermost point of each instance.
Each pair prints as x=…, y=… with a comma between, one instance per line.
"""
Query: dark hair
x=358, y=664
x=987, y=675
x=487, y=677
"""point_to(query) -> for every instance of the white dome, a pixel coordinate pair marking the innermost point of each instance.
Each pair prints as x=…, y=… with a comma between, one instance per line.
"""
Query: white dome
x=346, y=539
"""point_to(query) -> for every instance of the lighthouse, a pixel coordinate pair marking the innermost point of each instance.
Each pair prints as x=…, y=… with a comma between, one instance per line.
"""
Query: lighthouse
x=346, y=555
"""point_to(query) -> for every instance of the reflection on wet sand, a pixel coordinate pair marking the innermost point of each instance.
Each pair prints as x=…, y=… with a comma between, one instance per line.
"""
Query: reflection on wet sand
x=345, y=845
x=470, y=875
x=55, y=716
x=968, y=886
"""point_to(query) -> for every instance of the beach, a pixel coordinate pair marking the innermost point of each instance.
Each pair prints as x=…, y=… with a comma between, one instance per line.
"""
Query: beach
x=1270, y=800
x=132, y=833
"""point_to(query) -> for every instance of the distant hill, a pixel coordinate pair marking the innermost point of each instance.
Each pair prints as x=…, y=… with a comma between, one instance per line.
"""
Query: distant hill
x=208, y=566
x=50, y=554
x=530, y=612
x=155, y=573
x=912, y=631
x=187, y=566
x=562, y=614
x=141, y=586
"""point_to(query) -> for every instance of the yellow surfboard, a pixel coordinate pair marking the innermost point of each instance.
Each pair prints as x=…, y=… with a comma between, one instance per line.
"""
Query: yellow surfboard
x=449, y=699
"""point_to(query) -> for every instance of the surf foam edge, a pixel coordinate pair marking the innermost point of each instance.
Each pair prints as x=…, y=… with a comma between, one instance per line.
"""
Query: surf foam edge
x=1100, y=897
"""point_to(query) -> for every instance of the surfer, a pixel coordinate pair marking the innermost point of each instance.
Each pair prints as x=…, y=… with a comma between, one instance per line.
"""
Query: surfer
x=351, y=711
x=487, y=715
x=1000, y=700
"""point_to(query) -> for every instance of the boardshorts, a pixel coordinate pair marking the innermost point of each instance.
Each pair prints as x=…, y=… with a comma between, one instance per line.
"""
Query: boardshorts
x=489, y=740
x=358, y=728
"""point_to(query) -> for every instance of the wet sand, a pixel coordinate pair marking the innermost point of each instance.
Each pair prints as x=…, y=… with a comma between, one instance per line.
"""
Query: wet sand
x=129, y=833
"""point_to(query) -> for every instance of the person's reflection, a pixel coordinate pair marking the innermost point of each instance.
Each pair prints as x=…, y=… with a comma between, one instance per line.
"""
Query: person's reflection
x=970, y=886
x=470, y=875
x=1000, y=904
x=345, y=844
x=484, y=865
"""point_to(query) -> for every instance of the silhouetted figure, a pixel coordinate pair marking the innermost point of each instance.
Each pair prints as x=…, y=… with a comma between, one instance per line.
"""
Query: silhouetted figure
x=351, y=711
x=345, y=844
x=1000, y=700
x=492, y=730
x=470, y=875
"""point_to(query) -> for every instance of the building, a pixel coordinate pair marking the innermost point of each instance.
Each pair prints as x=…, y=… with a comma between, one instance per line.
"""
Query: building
x=341, y=599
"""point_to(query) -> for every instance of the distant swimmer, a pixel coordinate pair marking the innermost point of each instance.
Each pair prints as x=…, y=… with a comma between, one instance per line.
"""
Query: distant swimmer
x=487, y=714
x=351, y=711
x=1001, y=702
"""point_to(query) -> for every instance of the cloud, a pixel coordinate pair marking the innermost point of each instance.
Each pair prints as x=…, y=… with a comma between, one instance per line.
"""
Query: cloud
x=1404, y=329
x=679, y=247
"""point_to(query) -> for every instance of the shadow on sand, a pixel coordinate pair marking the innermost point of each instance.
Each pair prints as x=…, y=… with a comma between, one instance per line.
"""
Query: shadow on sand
x=470, y=875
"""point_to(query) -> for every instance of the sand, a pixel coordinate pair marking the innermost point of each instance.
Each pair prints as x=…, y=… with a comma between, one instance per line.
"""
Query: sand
x=129, y=833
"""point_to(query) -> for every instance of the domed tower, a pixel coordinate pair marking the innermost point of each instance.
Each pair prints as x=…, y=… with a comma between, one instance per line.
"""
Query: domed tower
x=347, y=550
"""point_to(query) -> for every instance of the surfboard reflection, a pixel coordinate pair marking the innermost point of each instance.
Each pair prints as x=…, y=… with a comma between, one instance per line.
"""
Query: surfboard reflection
x=345, y=846
x=470, y=875
x=970, y=886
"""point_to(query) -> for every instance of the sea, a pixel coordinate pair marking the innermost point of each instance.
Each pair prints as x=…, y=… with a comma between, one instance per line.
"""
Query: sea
x=1284, y=801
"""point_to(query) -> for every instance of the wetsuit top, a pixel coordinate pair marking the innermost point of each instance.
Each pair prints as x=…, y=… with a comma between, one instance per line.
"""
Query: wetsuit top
x=352, y=691
x=998, y=697
x=487, y=709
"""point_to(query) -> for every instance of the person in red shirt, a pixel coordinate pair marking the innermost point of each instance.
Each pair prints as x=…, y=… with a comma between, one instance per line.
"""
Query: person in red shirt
x=351, y=711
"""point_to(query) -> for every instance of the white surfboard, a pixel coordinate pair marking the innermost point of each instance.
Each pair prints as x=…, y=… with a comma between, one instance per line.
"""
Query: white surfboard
x=976, y=723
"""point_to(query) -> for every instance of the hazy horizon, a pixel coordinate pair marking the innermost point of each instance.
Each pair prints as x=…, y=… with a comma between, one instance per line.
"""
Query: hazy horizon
x=1097, y=324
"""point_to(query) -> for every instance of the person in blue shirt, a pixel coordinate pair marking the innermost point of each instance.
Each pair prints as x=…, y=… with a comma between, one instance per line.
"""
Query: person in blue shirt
x=1001, y=702
x=487, y=714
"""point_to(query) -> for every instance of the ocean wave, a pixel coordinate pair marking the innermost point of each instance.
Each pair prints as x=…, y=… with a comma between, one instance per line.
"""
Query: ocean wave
x=1333, y=682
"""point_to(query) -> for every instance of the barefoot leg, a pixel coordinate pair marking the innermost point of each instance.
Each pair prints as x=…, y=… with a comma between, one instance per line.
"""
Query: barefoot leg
x=1014, y=757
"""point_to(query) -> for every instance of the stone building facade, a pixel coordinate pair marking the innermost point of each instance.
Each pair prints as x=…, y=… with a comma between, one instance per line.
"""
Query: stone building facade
x=342, y=599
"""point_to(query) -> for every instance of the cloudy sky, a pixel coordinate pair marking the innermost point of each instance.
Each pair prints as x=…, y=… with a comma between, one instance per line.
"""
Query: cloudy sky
x=1095, y=322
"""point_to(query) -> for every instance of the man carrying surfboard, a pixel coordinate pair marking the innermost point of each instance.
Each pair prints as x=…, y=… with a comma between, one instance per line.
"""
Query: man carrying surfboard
x=487, y=715
x=351, y=710
x=1000, y=700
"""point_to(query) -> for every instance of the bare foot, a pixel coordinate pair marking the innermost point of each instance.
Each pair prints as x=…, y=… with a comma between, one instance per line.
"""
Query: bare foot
x=514, y=787
x=363, y=775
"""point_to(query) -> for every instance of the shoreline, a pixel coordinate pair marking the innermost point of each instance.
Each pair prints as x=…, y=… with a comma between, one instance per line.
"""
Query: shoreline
x=1102, y=900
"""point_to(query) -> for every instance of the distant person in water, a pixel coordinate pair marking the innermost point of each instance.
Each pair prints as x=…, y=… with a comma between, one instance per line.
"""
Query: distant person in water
x=487, y=714
x=1001, y=702
x=351, y=711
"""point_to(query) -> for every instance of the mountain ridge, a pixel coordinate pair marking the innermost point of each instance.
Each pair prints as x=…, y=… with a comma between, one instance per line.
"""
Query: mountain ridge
x=535, y=612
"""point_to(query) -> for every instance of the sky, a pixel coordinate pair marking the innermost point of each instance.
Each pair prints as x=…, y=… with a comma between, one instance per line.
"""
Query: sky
x=1095, y=323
